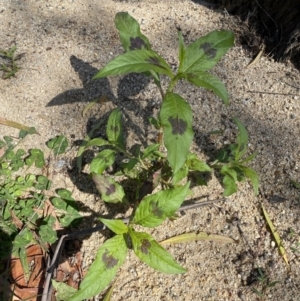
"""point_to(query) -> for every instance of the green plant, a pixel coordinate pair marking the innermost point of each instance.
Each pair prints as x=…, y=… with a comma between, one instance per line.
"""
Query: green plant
x=231, y=163
x=10, y=68
x=264, y=282
x=165, y=166
x=295, y=245
x=27, y=214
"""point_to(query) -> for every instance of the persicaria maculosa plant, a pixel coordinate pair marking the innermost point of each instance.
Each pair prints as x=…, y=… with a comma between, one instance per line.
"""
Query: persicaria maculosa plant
x=152, y=167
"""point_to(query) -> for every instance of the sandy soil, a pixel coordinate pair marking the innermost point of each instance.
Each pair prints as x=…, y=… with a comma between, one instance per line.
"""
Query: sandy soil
x=66, y=41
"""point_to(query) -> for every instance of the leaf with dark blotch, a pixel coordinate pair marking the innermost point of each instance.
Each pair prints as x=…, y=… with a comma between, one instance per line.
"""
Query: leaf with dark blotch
x=111, y=189
x=156, y=210
x=154, y=61
x=145, y=246
x=209, y=50
x=139, y=60
x=176, y=119
x=149, y=251
x=109, y=260
x=137, y=43
x=130, y=34
x=114, y=128
x=205, y=52
x=179, y=126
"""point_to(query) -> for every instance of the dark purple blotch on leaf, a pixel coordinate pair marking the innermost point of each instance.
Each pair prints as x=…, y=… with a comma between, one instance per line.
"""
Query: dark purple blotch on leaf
x=109, y=260
x=145, y=246
x=136, y=43
x=156, y=210
x=179, y=126
x=209, y=50
x=111, y=189
x=114, y=128
x=154, y=61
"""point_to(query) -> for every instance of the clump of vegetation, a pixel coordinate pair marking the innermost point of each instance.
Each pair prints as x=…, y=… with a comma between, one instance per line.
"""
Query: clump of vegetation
x=10, y=67
x=264, y=283
x=161, y=171
x=29, y=215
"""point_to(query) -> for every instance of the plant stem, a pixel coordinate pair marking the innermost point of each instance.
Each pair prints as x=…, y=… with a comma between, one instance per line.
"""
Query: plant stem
x=173, y=83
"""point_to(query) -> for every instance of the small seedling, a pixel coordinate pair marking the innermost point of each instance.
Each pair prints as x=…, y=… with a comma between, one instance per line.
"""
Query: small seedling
x=10, y=68
x=165, y=166
x=295, y=245
x=264, y=283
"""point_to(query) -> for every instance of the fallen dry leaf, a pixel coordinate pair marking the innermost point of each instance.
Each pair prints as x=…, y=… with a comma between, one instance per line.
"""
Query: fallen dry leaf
x=36, y=262
x=17, y=222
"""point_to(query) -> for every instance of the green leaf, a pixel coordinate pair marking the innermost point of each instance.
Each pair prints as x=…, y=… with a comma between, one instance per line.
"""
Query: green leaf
x=155, y=208
x=128, y=168
x=109, y=258
x=230, y=170
x=103, y=160
x=46, y=232
x=116, y=226
x=114, y=128
x=242, y=139
x=43, y=183
x=86, y=140
x=65, y=194
x=58, y=144
x=205, y=52
x=210, y=82
x=63, y=291
x=59, y=203
x=22, y=240
x=136, y=61
x=249, y=158
x=295, y=184
x=253, y=177
x=154, y=122
x=149, y=251
x=181, y=47
x=96, y=142
x=111, y=192
x=130, y=34
x=229, y=185
x=176, y=118
x=36, y=157
x=150, y=150
x=195, y=164
x=24, y=263
x=180, y=174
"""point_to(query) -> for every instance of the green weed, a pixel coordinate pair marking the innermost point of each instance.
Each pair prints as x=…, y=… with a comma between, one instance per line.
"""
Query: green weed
x=264, y=284
x=24, y=200
x=10, y=68
x=152, y=167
